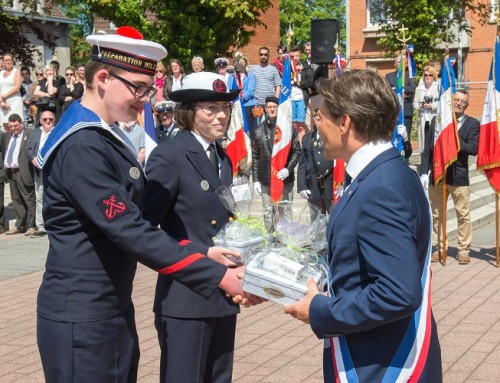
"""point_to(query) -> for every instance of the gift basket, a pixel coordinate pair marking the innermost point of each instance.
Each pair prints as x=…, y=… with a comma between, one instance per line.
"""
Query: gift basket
x=280, y=272
x=245, y=234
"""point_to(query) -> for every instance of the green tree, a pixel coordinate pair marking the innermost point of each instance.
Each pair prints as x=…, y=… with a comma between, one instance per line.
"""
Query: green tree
x=429, y=23
x=206, y=28
x=298, y=15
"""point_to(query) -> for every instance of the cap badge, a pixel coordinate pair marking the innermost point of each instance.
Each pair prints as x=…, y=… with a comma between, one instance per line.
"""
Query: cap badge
x=219, y=86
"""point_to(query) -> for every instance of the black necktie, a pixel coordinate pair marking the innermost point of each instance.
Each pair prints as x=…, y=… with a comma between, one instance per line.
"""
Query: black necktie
x=212, y=155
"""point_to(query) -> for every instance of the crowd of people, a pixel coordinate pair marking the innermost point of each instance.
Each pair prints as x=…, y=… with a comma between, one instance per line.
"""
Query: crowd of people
x=105, y=216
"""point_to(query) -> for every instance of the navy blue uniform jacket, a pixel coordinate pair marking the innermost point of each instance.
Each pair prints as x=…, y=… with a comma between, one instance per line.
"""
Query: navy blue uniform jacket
x=181, y=198
x=93, y=192
x=378, y=238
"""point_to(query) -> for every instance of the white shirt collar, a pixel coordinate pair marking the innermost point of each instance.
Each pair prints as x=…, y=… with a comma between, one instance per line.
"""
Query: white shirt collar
x=364, y=155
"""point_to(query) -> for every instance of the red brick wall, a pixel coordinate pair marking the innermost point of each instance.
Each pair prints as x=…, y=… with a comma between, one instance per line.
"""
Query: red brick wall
x=265, y=37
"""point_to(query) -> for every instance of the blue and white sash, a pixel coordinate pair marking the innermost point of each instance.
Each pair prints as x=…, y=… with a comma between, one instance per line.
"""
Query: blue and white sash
x=410, y=358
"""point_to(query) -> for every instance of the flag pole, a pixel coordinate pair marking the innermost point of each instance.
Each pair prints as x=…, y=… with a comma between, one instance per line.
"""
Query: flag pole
x=497, y=226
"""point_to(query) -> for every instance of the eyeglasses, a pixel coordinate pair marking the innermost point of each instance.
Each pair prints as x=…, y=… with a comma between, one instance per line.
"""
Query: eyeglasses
x=212, y=110
x=263, y=54
x=160, y=71
x=47, y=119
x=140, y=91
x=427, y=75
x=271, y=107
x=39, y=74
x=69, y=74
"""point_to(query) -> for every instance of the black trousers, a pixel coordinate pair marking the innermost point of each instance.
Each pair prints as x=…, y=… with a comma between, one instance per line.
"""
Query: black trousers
x=99, y=352
x=196, y=350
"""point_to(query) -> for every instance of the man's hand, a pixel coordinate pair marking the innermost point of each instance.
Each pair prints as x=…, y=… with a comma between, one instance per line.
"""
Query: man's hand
x=282, y=174
x=305, y=194
x=257, y=188
x=300, y=309
x=402, y=132
x=218, y=254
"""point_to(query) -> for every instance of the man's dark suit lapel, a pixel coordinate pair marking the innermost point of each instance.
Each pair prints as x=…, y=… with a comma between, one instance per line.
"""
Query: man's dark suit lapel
x=344, y=200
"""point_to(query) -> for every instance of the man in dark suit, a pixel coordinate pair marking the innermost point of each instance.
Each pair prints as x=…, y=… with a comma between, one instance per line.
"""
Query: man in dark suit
x=457, y=179
x=18, y=173
x=377, y=321
x=167, y=128
x=35, y=142
x=262, y=151
x=315, y=175
x=196, y=334
x=409, y=93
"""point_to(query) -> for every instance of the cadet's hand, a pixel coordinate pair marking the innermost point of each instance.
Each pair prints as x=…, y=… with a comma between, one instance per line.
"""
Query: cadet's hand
x=305, y=194
x=282, y=174
x=248, y=300
x=231, y=282
x=218, y=254
x=402, y=132
x=257, y=188
x=300, y=309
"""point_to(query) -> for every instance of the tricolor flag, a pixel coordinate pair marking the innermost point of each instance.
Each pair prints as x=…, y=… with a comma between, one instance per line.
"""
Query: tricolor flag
x=446, y=143
x=339, y=63
x=397, y=140
x=149, y=129
x=412, y=65
x=338, y=179
x=488, y=152
x=282, y=134
x=239, y=147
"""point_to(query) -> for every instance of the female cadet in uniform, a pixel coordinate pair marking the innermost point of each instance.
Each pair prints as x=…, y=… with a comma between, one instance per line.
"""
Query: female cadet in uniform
x=196, y=335
x=94, y=186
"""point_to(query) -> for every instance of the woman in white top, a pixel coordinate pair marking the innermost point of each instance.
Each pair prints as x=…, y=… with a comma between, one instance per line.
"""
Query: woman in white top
x=426, y=102
x=11, y=100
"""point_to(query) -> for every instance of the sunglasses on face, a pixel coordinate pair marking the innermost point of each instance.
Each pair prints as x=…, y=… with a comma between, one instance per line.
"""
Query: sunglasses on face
x=69, y=74
x=264, y=54
x=39, y=74
x=47, y=119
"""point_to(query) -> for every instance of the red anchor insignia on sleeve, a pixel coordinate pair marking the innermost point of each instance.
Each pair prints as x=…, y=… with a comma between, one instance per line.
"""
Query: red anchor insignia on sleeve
x=113, y=206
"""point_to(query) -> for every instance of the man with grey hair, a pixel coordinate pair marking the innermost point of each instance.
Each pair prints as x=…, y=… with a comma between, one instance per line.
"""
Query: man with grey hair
x=197, y=64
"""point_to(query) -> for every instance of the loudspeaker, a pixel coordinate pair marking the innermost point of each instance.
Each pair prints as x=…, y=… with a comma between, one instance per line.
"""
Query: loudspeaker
x=324, y=34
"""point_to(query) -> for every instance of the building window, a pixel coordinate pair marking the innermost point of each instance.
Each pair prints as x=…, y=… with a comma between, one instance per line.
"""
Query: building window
x=494, y=7
x=375, y=14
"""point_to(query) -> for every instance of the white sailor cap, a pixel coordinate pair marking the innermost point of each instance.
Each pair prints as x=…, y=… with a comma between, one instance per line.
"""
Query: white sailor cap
x=221, y=61
x=164, y=106
x=203, y=86
x=127, y=50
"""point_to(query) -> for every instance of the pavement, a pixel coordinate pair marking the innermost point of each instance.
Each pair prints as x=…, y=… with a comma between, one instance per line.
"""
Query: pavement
x=270, y=346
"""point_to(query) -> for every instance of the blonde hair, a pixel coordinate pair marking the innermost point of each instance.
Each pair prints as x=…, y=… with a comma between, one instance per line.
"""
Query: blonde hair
x=431, y=70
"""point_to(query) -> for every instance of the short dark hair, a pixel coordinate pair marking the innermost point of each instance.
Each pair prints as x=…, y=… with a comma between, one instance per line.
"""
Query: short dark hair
x=24, y=67
x=295, y=48
x=93, y=66
x=264, y=48
x=367, y=98
x=15, y=118
x=184, y=115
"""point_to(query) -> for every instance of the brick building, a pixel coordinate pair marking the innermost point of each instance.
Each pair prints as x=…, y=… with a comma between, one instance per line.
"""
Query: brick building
x=476, y=50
